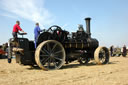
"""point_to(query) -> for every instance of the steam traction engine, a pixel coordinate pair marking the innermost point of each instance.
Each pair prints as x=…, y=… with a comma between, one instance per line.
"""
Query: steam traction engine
x=56, y=47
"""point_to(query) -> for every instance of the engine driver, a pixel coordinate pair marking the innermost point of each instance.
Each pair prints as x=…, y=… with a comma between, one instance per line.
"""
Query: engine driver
x=36, y=32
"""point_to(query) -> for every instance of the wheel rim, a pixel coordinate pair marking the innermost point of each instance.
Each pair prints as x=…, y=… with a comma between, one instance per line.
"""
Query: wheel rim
x=50, y=55
x=101, y=55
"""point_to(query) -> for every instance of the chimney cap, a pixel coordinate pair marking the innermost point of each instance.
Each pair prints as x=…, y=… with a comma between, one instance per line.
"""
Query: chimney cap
x=87, y=18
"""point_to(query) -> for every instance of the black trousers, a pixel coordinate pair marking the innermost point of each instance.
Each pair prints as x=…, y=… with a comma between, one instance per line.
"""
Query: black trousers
x=14, y=34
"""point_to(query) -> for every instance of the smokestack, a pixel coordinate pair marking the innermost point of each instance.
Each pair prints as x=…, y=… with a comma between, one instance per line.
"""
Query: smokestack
x=88, y=26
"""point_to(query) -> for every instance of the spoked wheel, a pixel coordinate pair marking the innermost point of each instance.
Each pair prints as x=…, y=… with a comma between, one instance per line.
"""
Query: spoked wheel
x=50, y=55
x=101, y=55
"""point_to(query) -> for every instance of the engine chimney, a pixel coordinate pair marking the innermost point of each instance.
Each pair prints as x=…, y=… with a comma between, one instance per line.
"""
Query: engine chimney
x=88, y=26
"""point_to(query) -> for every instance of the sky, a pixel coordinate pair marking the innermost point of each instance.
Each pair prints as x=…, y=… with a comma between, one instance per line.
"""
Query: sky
x=109, y=18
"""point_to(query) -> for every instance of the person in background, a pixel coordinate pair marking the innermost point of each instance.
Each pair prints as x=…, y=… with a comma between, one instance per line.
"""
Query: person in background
x=36, y=32
x=124, y=51
x=16, y=29
x=111, y=50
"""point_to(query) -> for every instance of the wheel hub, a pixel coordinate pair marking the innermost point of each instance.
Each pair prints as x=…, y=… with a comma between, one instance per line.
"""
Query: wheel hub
x=51, y=55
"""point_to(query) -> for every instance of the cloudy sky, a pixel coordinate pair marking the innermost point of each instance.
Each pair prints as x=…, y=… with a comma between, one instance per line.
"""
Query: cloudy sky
x=109, y=22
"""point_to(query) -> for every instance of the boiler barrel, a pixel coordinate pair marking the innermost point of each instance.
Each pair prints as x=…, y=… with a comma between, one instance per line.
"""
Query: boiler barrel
x=81, y=44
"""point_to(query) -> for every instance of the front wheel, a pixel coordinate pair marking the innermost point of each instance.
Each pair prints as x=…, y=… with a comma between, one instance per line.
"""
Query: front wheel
x=101, y=55
x=50, y=55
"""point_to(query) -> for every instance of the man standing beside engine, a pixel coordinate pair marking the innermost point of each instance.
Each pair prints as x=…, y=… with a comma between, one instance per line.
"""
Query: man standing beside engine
x=36, y=32
x=124, y=51
x=111, y=50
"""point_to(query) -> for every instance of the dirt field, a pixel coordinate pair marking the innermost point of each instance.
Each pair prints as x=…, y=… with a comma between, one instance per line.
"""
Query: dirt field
x=114, y=73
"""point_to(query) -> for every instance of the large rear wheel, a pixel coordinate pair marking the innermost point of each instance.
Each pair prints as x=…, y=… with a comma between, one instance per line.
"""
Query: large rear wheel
x=101, y=55
x=50, y=55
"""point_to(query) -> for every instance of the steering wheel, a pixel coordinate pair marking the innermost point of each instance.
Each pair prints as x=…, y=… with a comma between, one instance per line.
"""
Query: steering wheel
x=58, y=33
x=53, y=28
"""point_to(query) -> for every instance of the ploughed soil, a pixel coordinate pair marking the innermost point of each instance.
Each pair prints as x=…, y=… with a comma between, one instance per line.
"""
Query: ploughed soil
x=114, y=73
